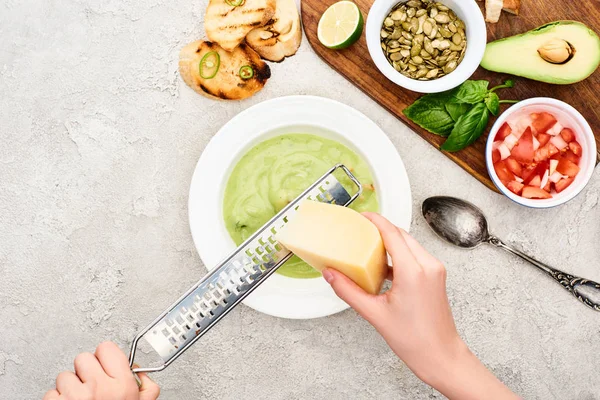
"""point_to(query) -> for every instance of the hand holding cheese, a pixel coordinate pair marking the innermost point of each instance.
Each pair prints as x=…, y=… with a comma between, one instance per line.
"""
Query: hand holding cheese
x=326, y=235
x=415, y=319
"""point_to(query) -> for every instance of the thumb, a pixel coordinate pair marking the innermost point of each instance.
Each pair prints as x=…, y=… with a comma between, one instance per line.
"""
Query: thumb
x=366, y=304
x=148, y=389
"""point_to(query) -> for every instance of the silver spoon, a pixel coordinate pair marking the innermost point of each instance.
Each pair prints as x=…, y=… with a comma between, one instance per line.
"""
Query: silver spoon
x=464, y=225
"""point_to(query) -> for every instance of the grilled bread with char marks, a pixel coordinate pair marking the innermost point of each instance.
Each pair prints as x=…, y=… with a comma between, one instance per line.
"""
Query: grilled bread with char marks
x=228, y=25
x=227, y=83
x=281, y=36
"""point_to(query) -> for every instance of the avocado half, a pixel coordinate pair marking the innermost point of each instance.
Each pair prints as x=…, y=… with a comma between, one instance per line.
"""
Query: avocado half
x=560, y=52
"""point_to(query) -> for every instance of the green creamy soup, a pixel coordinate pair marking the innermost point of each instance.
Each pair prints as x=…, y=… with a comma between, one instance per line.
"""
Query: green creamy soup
x=275, y=172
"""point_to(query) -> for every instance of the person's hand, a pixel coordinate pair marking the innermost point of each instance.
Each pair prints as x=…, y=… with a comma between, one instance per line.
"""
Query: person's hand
x=415, y=319
x=104, y=375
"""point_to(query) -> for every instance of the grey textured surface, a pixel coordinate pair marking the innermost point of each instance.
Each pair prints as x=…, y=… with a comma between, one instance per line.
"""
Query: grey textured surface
x=99, y=141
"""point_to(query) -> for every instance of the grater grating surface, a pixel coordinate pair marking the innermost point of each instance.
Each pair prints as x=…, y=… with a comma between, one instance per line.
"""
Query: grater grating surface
x=203, y=305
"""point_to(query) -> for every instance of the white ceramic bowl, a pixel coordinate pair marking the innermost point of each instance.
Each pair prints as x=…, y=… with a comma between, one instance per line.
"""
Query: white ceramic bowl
x=467, y=10
x=279, y=295
x=570, y=118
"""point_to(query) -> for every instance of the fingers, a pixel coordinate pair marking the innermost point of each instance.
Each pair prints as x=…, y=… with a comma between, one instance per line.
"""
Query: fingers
x=51, y=395
x=67, y=382
x=394, y=243
x=113, y=360
x=149, y=389
x=88, y=368
x=367, y=305
x=421, y=255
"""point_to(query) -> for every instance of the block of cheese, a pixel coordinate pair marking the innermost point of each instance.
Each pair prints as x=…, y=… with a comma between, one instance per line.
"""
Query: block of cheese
x=326, y=235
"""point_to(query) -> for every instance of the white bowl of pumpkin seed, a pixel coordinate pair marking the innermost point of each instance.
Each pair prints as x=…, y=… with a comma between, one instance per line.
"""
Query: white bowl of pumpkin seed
x=427, y=46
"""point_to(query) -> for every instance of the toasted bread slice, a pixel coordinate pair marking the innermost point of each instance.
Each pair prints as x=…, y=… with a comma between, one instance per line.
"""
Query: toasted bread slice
x=226, y=83
x=281, y=36
x=228, y=25
x=512, y=6
x=493, y=9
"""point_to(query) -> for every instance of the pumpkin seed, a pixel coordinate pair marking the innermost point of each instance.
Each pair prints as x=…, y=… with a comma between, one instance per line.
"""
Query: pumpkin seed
x=442, y=18
x=414, y=3
x=432, y=74
x=421, y=73
x=416, y=50
x=390, y=51
x=384, y=34
x=412, y=68
x=452, y=27
x=409, y=36
x=428, y=46
x=444, y=44
x=406, y=26
x=405, y=53
x=425, y=54
x=397, y=34
x=414, y=25
x=446, y=33
x=428, y=26
x=396, y=57
x=411, y=12
x=392, y=44
x=454, y=47
x=396, y=15
x=434, y=32
x=388, y=22
x=433, y=12
x=451, y=66
x=417, y=60
x=421, y=12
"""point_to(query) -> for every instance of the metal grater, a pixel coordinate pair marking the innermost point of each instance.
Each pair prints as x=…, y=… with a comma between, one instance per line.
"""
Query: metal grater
x=209, y=300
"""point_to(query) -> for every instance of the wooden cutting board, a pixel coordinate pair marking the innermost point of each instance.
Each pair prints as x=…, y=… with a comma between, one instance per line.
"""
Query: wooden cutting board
x=355, y=64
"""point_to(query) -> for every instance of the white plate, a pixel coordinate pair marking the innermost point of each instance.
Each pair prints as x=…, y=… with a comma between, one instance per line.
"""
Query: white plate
x=281, y=296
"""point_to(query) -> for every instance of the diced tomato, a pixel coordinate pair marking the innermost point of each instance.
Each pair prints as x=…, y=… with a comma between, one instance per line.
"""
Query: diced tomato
x=536, y=181
x=503, y=172
x=567, y=134
x=532, y=192
x=529, y=173
x=547, y=187
x=538, y=171
x=567, y=167
x=503, y=132
x=543, y=138
x=543, y=121
x=543, y=153
x=569, y=155
x=514, y=167
x=523, y=151
x=495, y=156
x=575, y=148
x=563, y=184
x=515, y=187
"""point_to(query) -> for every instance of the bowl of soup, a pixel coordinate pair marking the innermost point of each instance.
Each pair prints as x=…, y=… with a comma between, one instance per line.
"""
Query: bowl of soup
x=264, y=158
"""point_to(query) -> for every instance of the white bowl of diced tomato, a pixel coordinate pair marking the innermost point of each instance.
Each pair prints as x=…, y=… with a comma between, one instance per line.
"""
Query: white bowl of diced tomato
x=541, y=152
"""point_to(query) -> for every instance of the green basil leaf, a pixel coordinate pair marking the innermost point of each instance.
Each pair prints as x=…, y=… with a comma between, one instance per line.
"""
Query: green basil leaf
x=456, y=110
x=468, y=128
x=429, y=112
x=472, y=92
x=492, y=102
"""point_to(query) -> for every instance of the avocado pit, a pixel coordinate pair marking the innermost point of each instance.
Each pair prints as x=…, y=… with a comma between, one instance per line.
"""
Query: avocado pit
x=556, y=51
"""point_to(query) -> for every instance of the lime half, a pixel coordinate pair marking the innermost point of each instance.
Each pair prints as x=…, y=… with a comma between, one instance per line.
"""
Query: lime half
x=340, y=25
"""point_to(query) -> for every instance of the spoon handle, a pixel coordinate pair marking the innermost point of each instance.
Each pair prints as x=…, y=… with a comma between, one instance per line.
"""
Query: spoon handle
x=586, y=291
